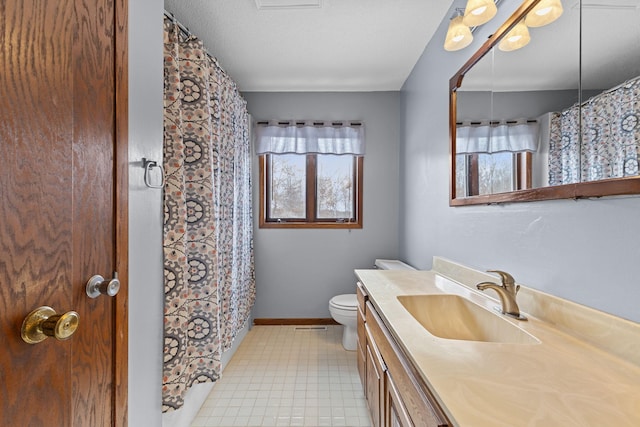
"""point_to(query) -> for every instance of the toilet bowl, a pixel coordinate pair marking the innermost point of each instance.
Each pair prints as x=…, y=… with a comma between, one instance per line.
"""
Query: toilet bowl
x=344, y=310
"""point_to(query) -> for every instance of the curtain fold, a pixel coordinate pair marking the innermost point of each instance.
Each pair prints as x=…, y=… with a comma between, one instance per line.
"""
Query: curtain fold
x=495, y=137
x=208, y=253
x=608, y=145
x=310, y=137
x=564, y=148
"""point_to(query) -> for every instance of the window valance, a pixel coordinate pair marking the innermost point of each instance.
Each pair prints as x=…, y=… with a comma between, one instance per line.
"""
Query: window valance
x=497, y=136
x=300, y=137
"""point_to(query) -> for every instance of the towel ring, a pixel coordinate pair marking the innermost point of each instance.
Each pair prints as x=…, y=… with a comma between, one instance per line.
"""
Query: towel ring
x=148, y=165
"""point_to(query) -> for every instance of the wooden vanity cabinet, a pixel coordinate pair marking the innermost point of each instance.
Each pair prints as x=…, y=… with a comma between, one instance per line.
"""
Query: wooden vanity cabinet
x=397, y=397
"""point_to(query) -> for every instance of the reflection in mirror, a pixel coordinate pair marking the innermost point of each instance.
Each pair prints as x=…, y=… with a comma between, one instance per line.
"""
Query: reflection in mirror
x=525, y=122
x=502, y=109
x=610, y=90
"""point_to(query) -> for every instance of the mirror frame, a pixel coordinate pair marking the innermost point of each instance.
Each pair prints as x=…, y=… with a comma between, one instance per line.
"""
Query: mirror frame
x=608, y=187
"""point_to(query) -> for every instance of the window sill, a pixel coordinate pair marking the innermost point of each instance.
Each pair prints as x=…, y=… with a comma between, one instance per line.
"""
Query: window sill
x=336, y=225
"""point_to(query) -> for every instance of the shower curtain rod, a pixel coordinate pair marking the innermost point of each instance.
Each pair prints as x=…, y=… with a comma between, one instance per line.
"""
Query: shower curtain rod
x=187, y=33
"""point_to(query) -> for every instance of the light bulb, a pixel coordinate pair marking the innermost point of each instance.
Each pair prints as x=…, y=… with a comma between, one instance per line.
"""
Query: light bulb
x=479, y=12
x=458, y=35
x=545, y=12
x=517, y=38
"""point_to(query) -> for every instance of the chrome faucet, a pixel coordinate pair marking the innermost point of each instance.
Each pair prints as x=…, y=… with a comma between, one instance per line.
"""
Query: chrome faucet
x=507, y=292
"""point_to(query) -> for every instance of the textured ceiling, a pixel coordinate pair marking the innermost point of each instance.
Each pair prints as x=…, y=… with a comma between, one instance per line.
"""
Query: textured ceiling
x=346, y=45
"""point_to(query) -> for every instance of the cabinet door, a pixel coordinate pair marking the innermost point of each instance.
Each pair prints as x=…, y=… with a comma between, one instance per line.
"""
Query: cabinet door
x=362, y=336
x=375, y=382
x=361, y=356
x=373, y=389
x=395, y=412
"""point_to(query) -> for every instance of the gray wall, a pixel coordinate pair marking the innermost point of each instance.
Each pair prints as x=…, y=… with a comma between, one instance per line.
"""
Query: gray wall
x=145, y=214
x=586, y=250
x=299, y=270
x=474, y=105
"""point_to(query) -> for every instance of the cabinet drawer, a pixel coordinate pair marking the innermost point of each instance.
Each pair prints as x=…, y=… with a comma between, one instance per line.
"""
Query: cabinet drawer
x=361, y=295
x=420, y=405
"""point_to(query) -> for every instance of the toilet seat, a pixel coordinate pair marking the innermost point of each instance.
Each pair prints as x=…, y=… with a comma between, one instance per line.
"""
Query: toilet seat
x=345, y=302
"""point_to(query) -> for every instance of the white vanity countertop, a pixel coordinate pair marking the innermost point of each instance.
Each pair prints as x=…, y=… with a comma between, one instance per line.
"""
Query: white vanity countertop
x=561, y=381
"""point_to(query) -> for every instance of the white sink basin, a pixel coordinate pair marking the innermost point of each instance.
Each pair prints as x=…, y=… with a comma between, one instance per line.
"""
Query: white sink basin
x=456, y=318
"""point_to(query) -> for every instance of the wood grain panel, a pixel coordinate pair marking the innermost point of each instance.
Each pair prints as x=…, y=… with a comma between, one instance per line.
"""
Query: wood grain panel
x=121, y=315
x=63, y=207
x=93, y=212
x=35, y=253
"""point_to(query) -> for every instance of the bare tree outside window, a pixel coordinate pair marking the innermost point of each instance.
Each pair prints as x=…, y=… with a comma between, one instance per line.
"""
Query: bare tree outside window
x=311, y=191
x=288, y=178
x=335, y=186
x=484, y=173
x=461, y=175
x=496, y=172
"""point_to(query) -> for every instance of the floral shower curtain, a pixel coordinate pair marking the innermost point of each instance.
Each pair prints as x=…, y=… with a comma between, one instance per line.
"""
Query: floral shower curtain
x=208, y=238
x=610, y=144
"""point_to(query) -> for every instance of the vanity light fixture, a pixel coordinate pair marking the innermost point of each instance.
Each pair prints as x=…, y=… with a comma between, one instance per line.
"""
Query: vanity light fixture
x=479, y=12
x=458, y=35
x=515, y=39
x=544, y=13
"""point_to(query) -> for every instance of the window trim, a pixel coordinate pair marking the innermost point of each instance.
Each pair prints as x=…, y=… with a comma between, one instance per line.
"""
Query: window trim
x=311, y=221
x=522, y=173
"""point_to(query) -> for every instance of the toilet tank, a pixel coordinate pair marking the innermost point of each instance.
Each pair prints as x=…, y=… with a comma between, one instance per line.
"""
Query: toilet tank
x=392, y=264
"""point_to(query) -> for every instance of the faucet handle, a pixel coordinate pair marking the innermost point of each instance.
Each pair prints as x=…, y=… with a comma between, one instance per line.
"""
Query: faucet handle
x=507, y=279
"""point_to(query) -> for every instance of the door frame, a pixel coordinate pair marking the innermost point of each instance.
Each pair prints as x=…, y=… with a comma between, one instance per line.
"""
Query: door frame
x=121, y=197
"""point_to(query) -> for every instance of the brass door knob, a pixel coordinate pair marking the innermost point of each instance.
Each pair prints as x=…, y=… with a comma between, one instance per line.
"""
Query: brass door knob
x=44, y=322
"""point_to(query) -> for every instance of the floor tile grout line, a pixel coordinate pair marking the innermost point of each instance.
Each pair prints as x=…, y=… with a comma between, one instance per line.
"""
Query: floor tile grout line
x=282, y=376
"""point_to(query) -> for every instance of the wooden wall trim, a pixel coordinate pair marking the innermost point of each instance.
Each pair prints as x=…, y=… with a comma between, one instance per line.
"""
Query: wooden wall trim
x=273, y=322
x=121, y=322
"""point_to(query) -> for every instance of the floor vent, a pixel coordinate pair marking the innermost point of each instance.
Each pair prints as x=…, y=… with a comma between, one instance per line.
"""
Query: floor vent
x=310, y=328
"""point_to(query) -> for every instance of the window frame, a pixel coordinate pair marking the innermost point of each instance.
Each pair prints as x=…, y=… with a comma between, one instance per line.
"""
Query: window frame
x=311, y=220
x=522, y=173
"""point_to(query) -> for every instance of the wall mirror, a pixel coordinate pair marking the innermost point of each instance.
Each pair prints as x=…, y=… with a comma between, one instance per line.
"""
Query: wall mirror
x=556, y=118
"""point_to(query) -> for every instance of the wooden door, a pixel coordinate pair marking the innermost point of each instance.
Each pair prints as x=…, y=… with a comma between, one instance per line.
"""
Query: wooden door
x=63, y=208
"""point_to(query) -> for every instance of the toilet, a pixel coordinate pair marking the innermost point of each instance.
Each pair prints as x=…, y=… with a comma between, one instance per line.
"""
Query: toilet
x=344, y=310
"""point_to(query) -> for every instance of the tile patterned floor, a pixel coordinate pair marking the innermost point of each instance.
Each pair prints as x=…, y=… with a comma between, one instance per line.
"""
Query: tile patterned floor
x=288, y=376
